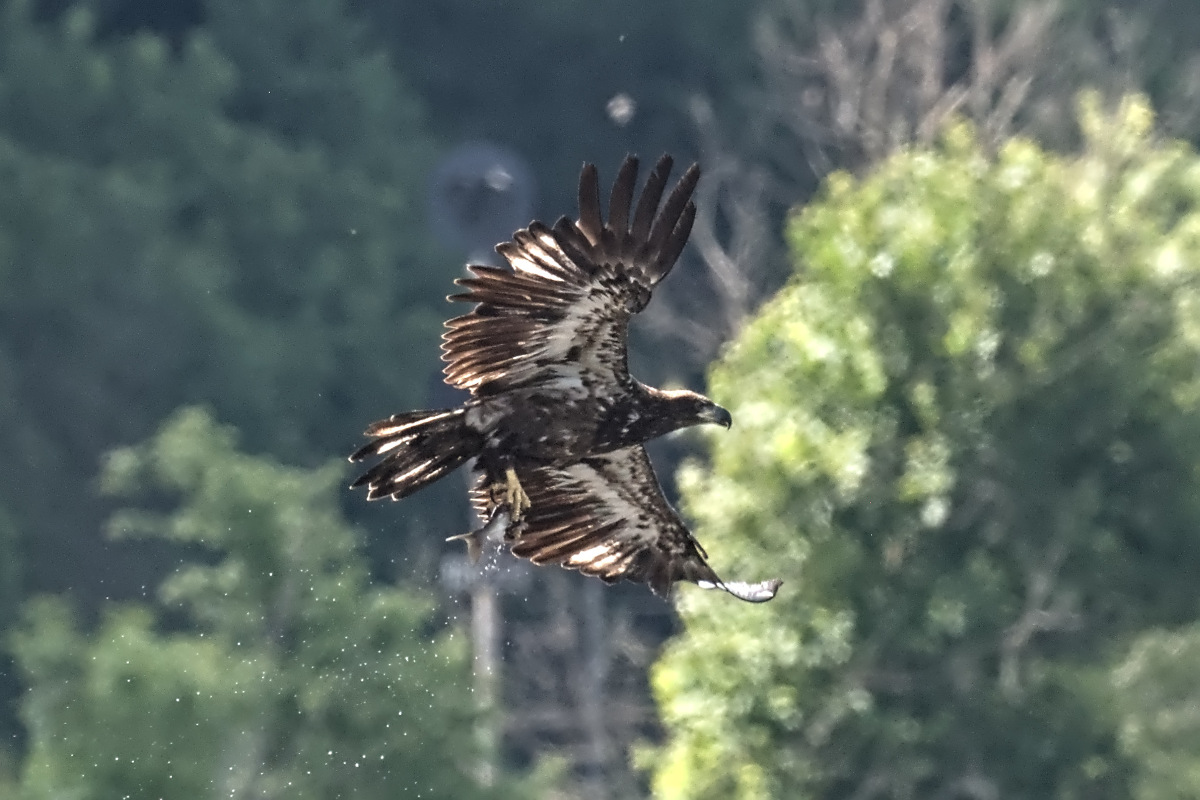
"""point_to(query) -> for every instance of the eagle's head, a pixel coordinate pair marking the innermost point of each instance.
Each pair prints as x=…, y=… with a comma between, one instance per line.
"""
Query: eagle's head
x=687, y=408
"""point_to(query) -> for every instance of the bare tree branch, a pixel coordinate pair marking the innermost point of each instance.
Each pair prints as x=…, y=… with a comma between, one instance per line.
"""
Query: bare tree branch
x=1048, y=607
x=891, y=77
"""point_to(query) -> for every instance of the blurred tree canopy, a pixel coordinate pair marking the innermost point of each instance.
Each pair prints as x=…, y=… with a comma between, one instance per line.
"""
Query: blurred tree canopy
x=229, y=216
x=219, y=201
x=170, y=232
x=270, y=665
x=657, y=55
x=969, y=437
x=1157, y=701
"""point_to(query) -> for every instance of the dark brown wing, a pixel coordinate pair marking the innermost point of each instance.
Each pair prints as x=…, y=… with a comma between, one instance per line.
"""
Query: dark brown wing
x=562, y=312
x=606, y=516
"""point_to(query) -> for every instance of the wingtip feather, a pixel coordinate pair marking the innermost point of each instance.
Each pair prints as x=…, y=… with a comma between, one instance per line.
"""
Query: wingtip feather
x=652, y=192
x=590, y=220
x=621, y=199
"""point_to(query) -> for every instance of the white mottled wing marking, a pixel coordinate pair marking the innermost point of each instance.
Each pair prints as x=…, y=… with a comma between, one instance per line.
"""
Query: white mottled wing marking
x=564, y=308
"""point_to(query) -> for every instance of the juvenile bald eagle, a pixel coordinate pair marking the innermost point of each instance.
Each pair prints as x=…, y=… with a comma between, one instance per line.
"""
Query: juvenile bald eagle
x=544, y=356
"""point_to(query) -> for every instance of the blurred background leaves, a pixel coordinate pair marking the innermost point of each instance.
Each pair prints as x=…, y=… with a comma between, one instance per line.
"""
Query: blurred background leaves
x=951, y=245
x=979, y=466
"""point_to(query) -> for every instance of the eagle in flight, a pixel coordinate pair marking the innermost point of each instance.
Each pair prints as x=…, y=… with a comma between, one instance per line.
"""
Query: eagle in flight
x=555, y=422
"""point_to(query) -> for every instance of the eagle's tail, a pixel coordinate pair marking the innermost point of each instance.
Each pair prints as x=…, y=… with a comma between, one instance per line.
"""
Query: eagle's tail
x=418, y=447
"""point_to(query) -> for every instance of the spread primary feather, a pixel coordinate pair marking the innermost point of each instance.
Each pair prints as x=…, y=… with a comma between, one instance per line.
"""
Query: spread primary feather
x=555, y=422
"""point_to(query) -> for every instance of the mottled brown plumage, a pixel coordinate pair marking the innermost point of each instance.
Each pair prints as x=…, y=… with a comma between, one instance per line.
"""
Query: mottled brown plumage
x=606, y=516
x=544, y=356
x=562, y=313
x=543, y=352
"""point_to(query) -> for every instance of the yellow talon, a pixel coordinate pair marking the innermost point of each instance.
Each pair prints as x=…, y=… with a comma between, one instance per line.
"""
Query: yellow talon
x=515, y=495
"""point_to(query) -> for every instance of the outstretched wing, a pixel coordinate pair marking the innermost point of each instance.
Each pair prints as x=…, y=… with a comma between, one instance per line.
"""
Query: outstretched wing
x=563, y=310
x=606, y=516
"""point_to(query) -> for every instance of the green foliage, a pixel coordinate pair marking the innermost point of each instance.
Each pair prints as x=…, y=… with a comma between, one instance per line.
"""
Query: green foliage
x=10, y=566
x=293, y=675
x=538, y=76
x=968, y=438
x=231, y=221
x=1158, y=701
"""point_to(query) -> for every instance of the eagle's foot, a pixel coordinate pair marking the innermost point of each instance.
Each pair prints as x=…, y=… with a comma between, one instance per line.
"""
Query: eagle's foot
x=514, y=495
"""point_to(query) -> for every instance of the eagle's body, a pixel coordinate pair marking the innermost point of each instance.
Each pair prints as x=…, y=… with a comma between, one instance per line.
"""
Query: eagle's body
x=555, y=421
x=527, y=424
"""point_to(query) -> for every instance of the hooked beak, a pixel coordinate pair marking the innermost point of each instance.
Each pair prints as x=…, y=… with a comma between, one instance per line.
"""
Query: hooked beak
x=718, y=416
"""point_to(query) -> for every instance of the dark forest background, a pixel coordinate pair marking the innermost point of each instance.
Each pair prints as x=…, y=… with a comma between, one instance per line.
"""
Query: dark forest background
x=227, y=228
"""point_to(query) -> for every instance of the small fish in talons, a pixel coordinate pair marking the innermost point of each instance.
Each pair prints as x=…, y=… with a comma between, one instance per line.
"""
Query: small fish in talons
x=750, y=592
x=491, y=531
